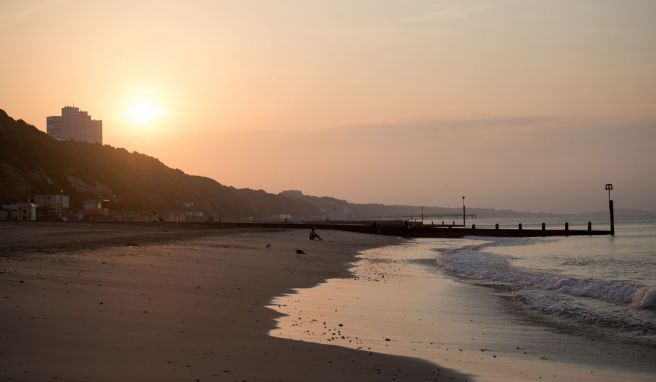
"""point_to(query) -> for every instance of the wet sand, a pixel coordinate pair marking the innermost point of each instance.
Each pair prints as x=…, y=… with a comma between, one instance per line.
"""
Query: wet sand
x=400, y=303
x=109, y=303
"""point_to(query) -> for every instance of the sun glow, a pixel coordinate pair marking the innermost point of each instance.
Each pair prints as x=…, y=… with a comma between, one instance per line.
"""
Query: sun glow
x=143, y=112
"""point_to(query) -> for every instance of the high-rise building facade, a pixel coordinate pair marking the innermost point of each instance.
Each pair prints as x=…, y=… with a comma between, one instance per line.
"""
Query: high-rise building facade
x=75, y=124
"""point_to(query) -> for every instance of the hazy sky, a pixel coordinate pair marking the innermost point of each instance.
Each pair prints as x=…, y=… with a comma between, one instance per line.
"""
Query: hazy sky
x=522, y=104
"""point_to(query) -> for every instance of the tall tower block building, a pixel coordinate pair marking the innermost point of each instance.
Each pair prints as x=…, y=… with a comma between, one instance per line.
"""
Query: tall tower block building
x=74, y=124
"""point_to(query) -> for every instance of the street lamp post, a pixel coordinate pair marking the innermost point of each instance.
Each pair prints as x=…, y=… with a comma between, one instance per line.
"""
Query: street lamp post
x=464, y=216
x=609, y=188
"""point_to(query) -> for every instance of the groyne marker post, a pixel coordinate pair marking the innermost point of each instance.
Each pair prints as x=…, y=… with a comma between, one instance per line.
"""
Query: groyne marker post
x=609, y=188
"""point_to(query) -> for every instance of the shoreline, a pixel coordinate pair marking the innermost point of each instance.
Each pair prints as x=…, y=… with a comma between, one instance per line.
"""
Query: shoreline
x=400, y=303
x=192, y=310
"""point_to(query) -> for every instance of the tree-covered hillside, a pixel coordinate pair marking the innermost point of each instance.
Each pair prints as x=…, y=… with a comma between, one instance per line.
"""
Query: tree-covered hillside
x=31, y=162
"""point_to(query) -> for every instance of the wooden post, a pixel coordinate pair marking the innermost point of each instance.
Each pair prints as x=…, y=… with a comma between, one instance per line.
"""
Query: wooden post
x=496, y=226
x=589, y=226
x=544, y=226
x=566, y=226
x=473, y=226
x=612, y=218
x=609, y=188
x=520, y=226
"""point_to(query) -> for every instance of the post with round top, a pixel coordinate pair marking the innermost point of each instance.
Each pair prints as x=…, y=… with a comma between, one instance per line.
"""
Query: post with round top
x=609, y=188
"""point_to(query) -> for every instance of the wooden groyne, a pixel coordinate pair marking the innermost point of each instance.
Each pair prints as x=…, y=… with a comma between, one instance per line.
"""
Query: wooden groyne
x=457, y=232
x=371, y=227
x=454, y=232
x=417, y=231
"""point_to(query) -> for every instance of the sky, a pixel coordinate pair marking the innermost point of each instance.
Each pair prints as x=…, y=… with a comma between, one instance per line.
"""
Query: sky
x=517, y=104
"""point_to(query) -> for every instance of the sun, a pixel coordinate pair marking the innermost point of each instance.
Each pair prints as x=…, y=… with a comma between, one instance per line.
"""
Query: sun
x=143, y=112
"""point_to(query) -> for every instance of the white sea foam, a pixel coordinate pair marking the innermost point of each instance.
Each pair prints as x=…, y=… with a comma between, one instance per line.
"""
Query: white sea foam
x=477, y=264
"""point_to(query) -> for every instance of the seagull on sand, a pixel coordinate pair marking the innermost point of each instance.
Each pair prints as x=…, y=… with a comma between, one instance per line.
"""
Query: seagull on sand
x=268, y=245
x=299, y=252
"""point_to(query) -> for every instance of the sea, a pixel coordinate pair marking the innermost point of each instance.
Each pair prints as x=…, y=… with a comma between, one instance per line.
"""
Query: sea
x=605, y=282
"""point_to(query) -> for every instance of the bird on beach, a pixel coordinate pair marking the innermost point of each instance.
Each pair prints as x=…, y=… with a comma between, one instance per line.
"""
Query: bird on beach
x=299, y=252
x=268, y=245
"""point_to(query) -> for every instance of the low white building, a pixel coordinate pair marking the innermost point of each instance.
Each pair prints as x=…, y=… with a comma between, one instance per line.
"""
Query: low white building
x=55, y=201
x=21, y=211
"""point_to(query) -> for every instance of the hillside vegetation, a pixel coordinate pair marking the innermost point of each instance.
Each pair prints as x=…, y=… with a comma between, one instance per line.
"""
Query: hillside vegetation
x=31, y=162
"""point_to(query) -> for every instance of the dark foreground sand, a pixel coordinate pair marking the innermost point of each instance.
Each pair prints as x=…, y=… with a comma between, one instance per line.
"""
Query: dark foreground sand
x=84, y=302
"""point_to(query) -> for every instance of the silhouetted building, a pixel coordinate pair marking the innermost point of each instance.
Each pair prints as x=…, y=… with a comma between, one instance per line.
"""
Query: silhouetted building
x=55, y=201
x=20, y=211
x=51, y=206
x=75, y=124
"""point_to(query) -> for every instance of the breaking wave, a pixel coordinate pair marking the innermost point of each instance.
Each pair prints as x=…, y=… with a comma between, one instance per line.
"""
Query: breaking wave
x=476, y=264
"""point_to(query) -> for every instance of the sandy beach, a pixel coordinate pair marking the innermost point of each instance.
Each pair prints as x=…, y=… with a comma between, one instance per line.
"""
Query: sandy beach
x=85, y=302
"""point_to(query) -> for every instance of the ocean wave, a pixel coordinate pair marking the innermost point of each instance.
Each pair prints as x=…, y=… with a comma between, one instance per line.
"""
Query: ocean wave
x=604, y=315
x=477, y=264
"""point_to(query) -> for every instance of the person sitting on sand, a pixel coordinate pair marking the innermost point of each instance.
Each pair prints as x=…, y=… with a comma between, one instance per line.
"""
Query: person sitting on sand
x=314, y=235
